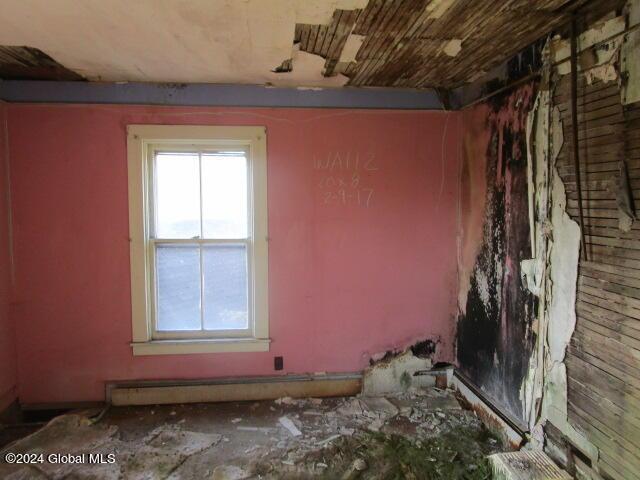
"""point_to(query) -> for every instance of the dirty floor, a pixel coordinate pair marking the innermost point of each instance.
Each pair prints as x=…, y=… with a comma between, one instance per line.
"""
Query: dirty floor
x=419, y=434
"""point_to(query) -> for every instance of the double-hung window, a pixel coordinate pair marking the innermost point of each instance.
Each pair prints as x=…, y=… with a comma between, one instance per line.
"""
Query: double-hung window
x=198, y=227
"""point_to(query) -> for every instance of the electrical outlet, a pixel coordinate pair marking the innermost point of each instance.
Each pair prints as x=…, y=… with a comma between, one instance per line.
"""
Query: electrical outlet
x=278, y=363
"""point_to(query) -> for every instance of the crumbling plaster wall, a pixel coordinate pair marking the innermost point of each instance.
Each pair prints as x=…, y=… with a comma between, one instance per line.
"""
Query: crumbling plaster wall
x=7, y=333
x=607, y=53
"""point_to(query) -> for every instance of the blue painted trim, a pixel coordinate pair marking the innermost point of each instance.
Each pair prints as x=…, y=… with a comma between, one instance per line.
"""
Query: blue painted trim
x=211, y=95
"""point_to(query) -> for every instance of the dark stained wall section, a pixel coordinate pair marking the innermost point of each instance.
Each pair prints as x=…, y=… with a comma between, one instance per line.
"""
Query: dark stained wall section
x=495, y=338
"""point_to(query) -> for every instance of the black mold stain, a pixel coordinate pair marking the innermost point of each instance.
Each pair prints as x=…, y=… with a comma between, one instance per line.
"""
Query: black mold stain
x=494, y=336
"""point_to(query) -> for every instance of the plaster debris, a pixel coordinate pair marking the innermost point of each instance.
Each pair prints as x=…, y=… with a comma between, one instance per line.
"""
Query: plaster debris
x=437, y=8
x=289, y=425
x=370, y=436
x=453, y=47
x=351, y=47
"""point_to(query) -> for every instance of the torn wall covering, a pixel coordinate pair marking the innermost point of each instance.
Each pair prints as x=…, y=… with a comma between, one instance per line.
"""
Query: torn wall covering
x=582, y=387
x=496, y=312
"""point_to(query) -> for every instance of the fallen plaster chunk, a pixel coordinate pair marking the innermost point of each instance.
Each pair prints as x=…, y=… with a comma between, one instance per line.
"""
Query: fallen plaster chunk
x=376, y=425
x=265, y=430
x=380, y=404
x=453, y=47
x=289, y=425
x=285, y=401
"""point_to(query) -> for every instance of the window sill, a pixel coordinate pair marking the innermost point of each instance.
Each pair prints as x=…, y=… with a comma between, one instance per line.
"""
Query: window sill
x=185, y=347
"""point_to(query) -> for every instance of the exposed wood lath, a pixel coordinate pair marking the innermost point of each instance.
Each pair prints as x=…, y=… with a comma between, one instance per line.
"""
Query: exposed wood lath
x=423, y=43
x=26, y=63
x=603, y=359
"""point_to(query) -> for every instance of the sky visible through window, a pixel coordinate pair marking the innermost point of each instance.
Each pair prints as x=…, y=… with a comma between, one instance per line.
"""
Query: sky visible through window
x=179, y=203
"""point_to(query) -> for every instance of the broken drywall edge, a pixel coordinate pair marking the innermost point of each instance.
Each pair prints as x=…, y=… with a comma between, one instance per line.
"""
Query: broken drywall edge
x=629, y=52
x=306, y=69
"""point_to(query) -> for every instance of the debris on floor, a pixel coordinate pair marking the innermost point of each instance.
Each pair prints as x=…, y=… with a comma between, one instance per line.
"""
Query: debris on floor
x=417, y=434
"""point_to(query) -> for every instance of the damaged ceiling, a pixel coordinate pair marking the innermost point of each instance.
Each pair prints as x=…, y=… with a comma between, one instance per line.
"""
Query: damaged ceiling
x=302, y=43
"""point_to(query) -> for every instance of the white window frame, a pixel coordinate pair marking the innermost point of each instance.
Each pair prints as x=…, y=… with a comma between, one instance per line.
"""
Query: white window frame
x=142, y=141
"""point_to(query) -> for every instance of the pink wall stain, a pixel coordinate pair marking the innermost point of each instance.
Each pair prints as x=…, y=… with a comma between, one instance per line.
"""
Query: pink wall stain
x=7, y=333
x=351, y=273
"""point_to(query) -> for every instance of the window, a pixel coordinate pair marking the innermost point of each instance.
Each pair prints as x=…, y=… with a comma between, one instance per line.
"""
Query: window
x=198, y=227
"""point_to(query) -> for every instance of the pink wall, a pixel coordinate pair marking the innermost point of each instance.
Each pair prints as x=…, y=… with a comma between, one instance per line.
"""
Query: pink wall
x=7, y=333
x=347, y=281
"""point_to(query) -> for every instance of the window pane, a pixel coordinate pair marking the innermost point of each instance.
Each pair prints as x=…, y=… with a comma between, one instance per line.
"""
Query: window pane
x=177, y=184
x=178, y=272
x=224, y=196
x=225, y=287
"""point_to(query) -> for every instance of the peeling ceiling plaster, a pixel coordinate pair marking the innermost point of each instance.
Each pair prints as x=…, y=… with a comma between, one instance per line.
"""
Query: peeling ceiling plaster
x=213, y=41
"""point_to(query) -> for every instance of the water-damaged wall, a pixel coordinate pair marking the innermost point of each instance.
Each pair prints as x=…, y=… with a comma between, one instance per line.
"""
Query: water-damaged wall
x=496, y=311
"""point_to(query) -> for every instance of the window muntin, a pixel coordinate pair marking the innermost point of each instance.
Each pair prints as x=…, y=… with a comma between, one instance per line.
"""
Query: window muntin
x=200, y=242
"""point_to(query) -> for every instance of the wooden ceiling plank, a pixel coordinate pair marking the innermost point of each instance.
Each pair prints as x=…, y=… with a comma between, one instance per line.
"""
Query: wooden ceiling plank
x=340, y=37
x=331, y=32
x=391, y=60
x=375, y=42
x=368, y=17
